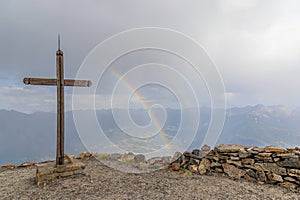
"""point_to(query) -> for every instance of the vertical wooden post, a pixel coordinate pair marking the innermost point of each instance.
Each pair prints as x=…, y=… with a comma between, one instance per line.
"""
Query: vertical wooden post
x=60, y=108
x=60, y=83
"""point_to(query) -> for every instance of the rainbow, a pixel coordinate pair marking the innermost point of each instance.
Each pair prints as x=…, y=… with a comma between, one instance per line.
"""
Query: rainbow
x=145, y=105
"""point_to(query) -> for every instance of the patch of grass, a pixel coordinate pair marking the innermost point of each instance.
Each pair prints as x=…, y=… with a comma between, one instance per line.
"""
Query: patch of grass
x=185, y=172
x=128, y=161
x=103, y=156
x=154, y=167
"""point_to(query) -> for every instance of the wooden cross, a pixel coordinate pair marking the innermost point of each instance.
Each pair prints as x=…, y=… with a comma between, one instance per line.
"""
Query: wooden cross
x=60, y=82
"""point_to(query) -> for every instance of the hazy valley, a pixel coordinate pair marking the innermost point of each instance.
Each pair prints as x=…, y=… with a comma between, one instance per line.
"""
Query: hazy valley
x=31, y=137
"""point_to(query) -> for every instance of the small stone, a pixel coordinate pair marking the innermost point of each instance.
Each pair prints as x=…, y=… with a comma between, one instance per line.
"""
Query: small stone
x=81, y=165
x=215, y=158
x=264, y=154
x=69, y=158
x=274, y=177
x=295, y=150
x=251, y=151
x=287, y=155
x=253, y=167
x=294, y=173
x=187, y=154
x=176, y=166
x=201, y=169
x=203, y=153
x=84, y=155
x=139, y=158
x=289, y=185
x=66, y=186
x=290, y=162
x=248, y=161
x=205, y=148
x=8, y=166
x=176, y=157
x=215, y=164
x=128, y=157
x=193, y=168
x=273, y=149
x=211, y=152
x=229, y=148
x=276, y=159
x=258, y=149
x=155, y=161
x=184, y=160
x=194, y=161
x=290, y=179
x=244, y=154
x=251, y=173
x=72, y=167
x=206, y=163
x=234, y=158
x=233, y=171
x=235, y=163
x=263, y=159
x=260, y=176
x=144, y=166
x=27, y=164
x=233, y=154
x=115, y=156
x=249, y=178
x=196, y=157
x=219, y=169
x=196, y=152
x=222, y=157
x=272, y=167
x=166, y=159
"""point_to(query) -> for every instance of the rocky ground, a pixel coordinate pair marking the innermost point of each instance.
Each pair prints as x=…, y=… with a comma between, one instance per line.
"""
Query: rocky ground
x=102, y=182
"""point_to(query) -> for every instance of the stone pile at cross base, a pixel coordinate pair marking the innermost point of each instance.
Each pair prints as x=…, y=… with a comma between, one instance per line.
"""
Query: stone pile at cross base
x=273, y=165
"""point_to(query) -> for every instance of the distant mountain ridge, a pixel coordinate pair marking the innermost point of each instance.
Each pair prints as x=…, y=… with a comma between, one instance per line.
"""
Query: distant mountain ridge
x=262, y=125
x=31, y=137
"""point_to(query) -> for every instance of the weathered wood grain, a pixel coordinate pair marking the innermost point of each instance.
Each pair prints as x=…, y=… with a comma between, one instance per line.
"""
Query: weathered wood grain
x=52, y=82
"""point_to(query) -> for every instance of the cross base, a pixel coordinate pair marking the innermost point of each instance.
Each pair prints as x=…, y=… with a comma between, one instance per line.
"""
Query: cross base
x=48, y=172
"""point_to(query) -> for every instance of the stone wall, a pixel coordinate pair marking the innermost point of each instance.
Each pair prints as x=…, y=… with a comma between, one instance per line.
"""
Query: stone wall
x=272, y=165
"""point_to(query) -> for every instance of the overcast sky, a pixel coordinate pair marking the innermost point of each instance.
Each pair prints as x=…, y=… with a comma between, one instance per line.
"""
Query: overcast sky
x=255, y=44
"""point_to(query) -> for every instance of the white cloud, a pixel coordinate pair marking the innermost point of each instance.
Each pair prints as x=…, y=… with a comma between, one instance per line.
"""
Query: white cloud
x=255, y=44
x=27, y=100
x=236, y=5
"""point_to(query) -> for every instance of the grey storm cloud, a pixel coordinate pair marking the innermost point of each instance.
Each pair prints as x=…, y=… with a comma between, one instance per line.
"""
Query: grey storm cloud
x=255, y=44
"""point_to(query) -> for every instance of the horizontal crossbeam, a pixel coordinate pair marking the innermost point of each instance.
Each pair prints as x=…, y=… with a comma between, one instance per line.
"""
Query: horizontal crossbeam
x=50, y=81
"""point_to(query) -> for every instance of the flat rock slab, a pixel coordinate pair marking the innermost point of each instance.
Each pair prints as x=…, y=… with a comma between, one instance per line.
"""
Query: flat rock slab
x=233, y=171
x=229, y=148
x=48, y=172
x=271, y=167
x=290, y=162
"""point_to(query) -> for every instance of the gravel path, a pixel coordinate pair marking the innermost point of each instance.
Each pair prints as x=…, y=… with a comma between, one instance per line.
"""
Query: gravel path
x=102, y=182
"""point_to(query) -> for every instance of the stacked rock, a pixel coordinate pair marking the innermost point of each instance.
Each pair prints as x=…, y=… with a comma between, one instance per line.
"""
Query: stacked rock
x=271, y=164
